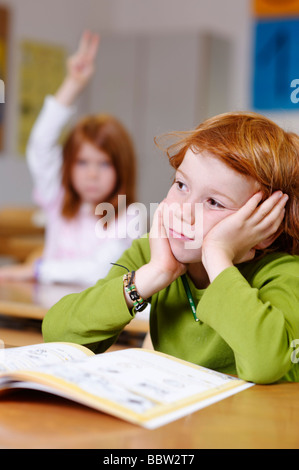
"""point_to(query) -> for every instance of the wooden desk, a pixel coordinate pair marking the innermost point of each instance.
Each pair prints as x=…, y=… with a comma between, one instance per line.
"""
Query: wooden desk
x=21, y=233
x=17, y=220
x=31, y=301
x=259, y=417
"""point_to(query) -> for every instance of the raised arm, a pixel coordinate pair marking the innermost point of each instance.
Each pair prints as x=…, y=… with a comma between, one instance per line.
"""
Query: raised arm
x=44, y=153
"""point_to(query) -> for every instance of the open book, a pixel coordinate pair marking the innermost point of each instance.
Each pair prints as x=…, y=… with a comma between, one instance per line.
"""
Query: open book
x=141, y=386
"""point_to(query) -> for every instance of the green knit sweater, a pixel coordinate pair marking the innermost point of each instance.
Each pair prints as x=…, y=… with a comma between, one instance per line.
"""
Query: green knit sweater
x=249, y=315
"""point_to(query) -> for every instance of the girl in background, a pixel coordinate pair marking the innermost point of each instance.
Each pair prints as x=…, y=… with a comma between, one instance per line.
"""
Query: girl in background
x=96, y=165
x=229, y=302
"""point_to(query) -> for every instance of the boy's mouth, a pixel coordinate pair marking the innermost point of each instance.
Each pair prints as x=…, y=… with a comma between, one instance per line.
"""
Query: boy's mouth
x=174, y=234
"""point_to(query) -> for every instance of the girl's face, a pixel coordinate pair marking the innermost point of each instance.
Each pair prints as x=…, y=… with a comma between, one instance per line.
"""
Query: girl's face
x=93, y=174
x=205, y=191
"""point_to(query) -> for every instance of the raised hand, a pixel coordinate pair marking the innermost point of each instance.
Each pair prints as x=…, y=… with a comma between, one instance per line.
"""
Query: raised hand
x=80, y=66
x=80, y=69
x=236, y=238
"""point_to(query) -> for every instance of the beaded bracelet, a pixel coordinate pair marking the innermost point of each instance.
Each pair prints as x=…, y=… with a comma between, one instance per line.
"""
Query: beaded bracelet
x=130, y=288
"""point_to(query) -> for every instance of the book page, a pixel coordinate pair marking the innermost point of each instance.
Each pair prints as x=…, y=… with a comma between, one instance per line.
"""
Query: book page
x=31, y=357
x=135, y=384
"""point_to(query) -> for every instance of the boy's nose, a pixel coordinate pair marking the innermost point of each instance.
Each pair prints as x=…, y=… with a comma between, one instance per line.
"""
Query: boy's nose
x=186, y=213
x=191, y=215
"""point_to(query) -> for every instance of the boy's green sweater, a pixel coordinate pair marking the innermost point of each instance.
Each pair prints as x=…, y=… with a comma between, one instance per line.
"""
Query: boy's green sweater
x=249, y=317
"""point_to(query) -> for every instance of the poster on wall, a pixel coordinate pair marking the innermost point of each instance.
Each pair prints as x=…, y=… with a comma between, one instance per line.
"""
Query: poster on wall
x=275, y=83
x=276, y=64
x=42, y=69
x=4, y=26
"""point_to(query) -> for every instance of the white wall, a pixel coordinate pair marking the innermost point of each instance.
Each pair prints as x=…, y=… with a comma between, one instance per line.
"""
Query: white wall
x=154, y=71
x=151, y=85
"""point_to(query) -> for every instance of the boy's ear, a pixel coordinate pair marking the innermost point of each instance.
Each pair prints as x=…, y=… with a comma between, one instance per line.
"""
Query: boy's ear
x=267, y=242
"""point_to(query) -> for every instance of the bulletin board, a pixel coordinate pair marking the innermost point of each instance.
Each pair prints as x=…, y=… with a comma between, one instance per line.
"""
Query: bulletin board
x=276, y=54
x=4, y=37
x=42, y=69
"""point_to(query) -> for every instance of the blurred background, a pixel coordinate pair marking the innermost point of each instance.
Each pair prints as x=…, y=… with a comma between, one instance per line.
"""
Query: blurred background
x=163, y=65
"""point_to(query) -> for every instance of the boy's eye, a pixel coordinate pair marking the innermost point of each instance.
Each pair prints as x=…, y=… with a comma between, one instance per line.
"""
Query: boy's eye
x=181, y=186
x=215, y=204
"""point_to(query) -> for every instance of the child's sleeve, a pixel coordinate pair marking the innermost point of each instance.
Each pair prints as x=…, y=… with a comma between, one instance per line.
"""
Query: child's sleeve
x=44, y=153
x=96, y=316
x=259, y=319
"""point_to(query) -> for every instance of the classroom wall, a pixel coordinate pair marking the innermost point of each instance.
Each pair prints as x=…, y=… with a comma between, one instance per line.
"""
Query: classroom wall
x=163, y=65
x=37, y=20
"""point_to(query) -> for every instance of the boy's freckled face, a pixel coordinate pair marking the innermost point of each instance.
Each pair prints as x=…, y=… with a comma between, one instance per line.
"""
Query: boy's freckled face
x=202, y=181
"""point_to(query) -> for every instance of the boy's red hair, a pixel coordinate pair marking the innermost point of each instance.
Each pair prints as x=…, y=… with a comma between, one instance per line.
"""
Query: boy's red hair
x=254, y=146
x=108, y=135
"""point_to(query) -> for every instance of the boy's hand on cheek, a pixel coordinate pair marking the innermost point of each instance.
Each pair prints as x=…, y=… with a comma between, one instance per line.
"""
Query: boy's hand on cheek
x=163, y=268
x=162, y=258
x=235, y=238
